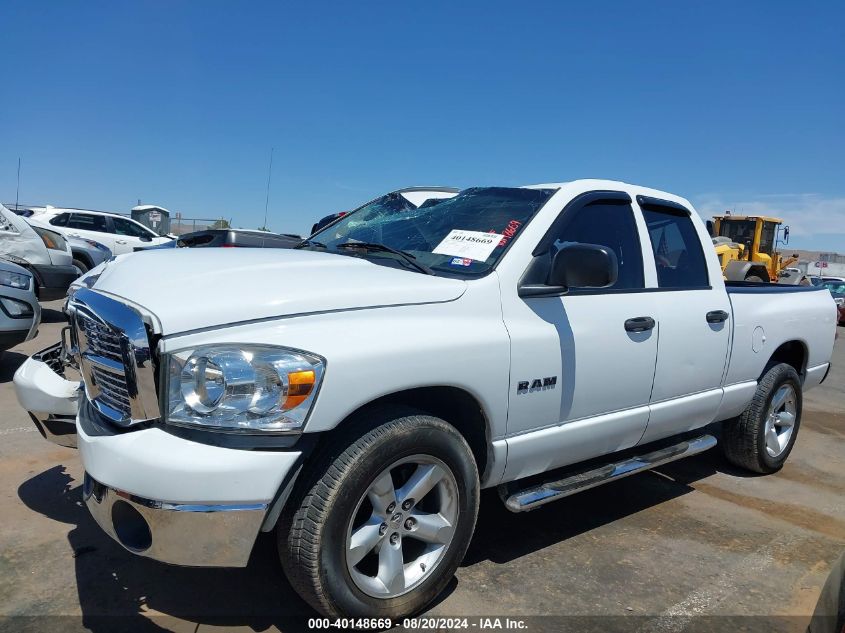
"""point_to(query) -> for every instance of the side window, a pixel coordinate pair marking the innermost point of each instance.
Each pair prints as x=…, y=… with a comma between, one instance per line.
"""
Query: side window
x=60, y=220
x=608, y=224
x=87, y=222
x=125, y=227
x=767, y=237
x=677, y=249
x=199, y=240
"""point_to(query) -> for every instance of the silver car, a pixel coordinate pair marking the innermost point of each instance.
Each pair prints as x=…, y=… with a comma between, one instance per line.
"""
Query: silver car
x=87, y=253
x=20, y=313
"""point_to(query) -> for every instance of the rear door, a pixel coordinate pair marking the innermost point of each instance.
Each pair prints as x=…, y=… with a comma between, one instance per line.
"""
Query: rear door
x=692, y=310
x=92, y=226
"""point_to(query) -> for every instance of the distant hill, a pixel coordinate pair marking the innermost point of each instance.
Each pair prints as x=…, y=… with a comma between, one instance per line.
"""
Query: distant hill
x=813, y=256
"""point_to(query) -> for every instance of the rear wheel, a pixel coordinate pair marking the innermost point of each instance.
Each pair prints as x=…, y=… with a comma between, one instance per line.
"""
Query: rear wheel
x=762, y=437
x=383, y=520
x=83, y=268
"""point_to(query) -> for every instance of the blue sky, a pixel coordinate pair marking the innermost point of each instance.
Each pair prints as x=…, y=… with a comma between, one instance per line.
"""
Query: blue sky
x=733, y=105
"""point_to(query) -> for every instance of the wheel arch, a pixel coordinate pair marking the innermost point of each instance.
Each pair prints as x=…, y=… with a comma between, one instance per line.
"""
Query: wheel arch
x=82, y=256
x=455, y=405
x=793, y=353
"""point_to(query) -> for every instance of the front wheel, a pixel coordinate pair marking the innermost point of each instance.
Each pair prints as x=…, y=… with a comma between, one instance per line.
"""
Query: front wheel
x=383, y=520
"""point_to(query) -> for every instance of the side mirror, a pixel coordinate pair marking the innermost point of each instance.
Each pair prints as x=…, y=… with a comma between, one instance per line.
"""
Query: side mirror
x=710, y=228
x=584, y=266
x=574, y=266
x=786, y=235
x=145, y=238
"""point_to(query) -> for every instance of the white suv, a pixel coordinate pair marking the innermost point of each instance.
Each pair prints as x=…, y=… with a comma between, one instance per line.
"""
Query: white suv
x=120, y=234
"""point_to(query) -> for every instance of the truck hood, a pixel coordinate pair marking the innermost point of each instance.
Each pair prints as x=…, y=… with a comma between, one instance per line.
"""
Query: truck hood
x=187, y=289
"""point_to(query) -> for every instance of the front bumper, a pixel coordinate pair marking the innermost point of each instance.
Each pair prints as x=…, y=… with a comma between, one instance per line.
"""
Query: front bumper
x=54, y=280
x=48, y=397
x=197, y=535
x=176, y=500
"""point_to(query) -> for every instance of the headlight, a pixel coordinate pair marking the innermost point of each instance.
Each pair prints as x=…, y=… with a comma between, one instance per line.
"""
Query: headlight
x=248, y=388
x=14, y=280
x=52, y=240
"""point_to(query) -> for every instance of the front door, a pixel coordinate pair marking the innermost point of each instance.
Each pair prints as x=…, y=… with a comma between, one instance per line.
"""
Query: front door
x=128, y=235
x=582, y=364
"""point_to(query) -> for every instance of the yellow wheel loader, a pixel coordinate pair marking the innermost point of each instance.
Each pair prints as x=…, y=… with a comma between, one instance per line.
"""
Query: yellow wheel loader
x=746, y=246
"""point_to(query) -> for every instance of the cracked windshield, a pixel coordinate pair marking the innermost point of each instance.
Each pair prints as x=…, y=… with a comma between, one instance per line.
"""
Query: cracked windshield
x=464, y=234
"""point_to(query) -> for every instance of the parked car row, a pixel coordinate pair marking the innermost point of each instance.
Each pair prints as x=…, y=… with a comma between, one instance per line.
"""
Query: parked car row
x=117, y=233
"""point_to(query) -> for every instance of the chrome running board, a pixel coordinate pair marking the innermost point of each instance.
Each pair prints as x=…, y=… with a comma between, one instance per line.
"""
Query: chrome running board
x=541, y=494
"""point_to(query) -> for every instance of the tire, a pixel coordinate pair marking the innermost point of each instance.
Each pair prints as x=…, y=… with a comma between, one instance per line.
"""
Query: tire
x=745, y=442
x=339, y=496
x=754, y=278
x=81, y=265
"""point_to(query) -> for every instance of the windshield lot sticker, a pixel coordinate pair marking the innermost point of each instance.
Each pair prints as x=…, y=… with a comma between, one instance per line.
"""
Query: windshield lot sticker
x=461, y=261
x=509, y=232
x=468, y=244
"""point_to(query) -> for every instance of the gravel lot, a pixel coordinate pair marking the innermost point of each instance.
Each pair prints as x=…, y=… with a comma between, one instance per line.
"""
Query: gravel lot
x=696, y=538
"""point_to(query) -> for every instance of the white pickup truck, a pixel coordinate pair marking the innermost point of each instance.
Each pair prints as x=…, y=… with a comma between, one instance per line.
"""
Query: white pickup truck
x=355, y=394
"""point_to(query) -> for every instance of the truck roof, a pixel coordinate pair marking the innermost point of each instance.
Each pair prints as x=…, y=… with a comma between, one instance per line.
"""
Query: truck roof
x=601, y=184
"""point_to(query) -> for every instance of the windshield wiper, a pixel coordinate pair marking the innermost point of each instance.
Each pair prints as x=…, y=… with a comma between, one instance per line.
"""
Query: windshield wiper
x=307, y=242
x=381, y=248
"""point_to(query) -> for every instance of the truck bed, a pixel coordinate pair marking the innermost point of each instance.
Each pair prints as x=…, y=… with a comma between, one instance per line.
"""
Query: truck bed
x=796, y=315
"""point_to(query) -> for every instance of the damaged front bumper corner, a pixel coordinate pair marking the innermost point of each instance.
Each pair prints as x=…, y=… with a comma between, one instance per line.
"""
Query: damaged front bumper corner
x=49, y=398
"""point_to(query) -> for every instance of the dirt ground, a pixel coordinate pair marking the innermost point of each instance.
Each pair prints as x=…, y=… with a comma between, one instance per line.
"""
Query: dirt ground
x=667, y=550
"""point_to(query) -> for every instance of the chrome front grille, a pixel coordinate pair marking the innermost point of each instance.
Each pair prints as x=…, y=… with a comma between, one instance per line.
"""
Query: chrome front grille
x=113, y=390
x=113, y=350
x=102, y=340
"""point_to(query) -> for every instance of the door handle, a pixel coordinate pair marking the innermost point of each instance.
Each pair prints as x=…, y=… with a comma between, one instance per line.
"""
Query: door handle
x=639, y=324
x=717, y=316
x=120, y=241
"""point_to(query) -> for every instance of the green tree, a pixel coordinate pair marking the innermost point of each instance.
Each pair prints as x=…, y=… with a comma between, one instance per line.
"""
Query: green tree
x=221, y=224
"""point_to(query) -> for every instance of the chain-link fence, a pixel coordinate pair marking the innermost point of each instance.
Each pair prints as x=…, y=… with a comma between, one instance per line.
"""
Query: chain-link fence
x=180, y=225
